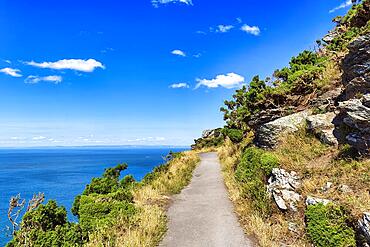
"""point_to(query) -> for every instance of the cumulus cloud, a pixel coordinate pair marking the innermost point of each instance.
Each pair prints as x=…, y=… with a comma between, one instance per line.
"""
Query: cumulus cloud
x=230, y=80
x=342, y=6
x=156, y=3
x=32, y=79
x=11, y=72
x=254, y=30
x=178, y=53
x=224, y=28
x=88, y=65
x=180, y=85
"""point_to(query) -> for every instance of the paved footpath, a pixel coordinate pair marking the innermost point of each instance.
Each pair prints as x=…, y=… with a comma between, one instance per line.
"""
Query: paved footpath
x=202, y=214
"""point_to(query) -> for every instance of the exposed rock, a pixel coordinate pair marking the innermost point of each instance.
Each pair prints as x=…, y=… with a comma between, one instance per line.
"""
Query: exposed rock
x=327, y=187
x=356, y=67
x=313, y=200
x=357, y=113
x=293, y=227
x=321, y=125
x=281, y=186
x=211, y=133
x=364, y=225
x=353, y=123
x=210, y=138
x=266, y=116
x=330, y=37
x=328, y=100
x=345, y=189
x=268, y=134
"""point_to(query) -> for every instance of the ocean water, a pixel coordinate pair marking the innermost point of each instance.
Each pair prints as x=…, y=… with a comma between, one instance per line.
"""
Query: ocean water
x=62, y=173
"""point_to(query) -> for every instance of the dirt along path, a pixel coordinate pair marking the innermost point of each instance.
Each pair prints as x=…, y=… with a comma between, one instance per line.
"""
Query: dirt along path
x=202, y=214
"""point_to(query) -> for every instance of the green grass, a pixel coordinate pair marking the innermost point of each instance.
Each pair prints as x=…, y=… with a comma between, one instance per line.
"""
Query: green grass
x=327, y=226
x=251, y=174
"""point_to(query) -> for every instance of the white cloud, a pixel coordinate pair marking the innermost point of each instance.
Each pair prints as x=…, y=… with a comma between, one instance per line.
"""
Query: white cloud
x=198, y=55
x=201, y=32
x=7, y=61
x=224, y=28
x=156, y=3
x=108, y=49
x=178, y=53
x=230, y=80
x=254, y=30
x=11, y=72
x=88, y=65
x=32, y=79
x=148, y=139
x=38, y=138
x=342, y=6
x=239, y=20
x=180, y=85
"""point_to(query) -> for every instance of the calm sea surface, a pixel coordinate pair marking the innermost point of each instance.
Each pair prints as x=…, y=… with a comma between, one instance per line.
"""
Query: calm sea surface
x=62, y=173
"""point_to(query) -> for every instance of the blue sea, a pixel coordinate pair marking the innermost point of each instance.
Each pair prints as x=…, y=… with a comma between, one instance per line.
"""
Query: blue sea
x=62, y=173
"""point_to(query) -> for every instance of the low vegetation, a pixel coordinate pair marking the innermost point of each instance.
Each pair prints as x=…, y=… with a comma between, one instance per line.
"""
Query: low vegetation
x=246, y=169
x=111, y=211
x=328, y=226
x=251, y=174
x=325, y=171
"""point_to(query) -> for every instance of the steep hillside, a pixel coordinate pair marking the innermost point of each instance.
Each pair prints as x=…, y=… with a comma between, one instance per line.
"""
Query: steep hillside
x=295, y=147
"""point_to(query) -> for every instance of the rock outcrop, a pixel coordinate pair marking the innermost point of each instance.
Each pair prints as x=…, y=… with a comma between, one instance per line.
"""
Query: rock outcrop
x=353, y=123
x=356, y=68
x=322, y=126
x=213, y=137
x=282, y=187
x=364, y=225
x=328, y=100
x=313, y=201
x=267, y=135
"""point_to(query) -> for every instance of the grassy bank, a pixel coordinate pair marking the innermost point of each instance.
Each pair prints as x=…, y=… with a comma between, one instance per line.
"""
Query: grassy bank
x=111, y=211
x=317, y=164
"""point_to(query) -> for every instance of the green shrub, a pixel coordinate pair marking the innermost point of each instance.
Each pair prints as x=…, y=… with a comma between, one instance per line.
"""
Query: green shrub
x=298, y=79
x=106, y=184
x=251, y=174
x=47, y=226
x=103, y=210
x=327, y=226
x=149, y=177
x=235, y=135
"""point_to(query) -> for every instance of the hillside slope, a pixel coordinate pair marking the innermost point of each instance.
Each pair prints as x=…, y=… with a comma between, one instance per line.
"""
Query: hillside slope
x=295, y=147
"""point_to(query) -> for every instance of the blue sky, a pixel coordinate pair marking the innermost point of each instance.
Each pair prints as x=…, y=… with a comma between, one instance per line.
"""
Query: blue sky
x=139, y=72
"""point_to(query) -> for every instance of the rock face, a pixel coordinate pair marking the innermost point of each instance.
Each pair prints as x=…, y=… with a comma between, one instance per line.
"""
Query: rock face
x=281, y=186
x=364, y=225
x=266, y=116
x=211, y=133
x=267, y=135
x=321, y=125
x=328, y=100
x=356, y=68
x=313, y=200
x=353, y=123
x=209, y=138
